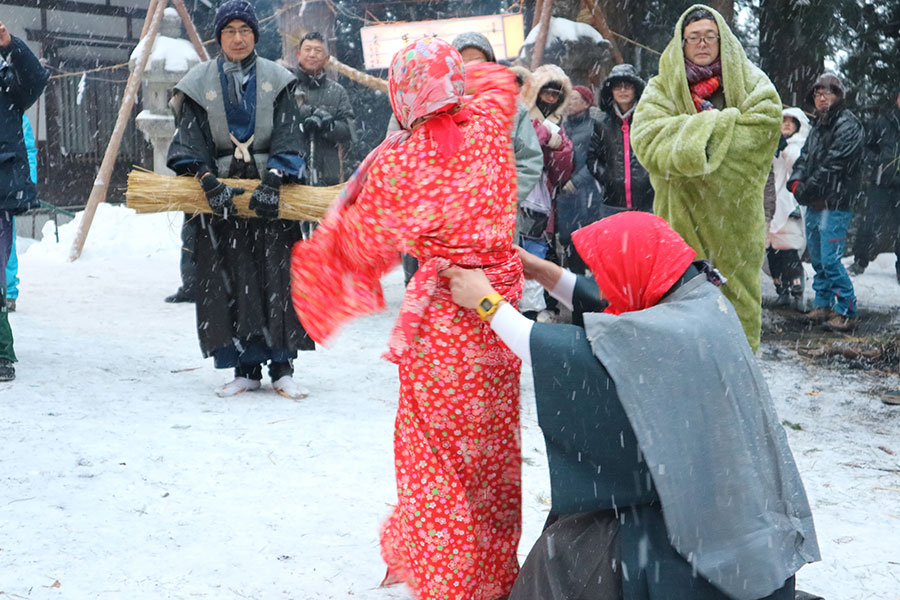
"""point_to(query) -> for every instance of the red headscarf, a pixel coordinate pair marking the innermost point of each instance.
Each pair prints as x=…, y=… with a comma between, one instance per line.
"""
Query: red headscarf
x=427, y=81
x=635, y=257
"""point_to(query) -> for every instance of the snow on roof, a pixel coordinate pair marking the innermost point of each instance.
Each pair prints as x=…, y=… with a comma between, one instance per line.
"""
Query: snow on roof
x=565, y=30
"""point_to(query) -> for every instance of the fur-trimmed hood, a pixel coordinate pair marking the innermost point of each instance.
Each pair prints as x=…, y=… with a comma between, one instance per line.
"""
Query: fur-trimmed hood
x=539, y=78
x=797, y=113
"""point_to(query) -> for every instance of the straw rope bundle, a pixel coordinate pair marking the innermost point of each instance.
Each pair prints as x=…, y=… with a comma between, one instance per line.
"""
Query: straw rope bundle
x=151, y=192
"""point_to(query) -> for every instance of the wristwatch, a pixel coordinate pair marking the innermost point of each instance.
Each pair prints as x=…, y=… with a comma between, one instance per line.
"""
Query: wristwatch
x=488, y=305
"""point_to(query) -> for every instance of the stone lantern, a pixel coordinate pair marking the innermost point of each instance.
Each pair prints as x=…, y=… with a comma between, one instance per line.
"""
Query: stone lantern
x=171, y=58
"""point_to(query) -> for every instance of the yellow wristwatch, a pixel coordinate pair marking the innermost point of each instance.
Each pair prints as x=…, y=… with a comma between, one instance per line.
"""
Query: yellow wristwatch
x=488, y=305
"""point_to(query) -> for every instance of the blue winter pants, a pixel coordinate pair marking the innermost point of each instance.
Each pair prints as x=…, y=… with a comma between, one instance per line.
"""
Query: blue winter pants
x=12, y=268
x=826, y=237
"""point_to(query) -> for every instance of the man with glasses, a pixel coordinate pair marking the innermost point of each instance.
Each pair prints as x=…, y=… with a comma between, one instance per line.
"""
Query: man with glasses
x=325, y=112
x=236, y=117
x=706, y=129
x=826, y=179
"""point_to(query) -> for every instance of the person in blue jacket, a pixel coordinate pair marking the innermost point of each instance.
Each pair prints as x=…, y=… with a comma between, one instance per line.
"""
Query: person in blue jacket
x=12, y=266
x=22, y=81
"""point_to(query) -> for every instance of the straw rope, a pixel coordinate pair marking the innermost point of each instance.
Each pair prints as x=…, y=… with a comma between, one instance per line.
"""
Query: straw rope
x=150, y=192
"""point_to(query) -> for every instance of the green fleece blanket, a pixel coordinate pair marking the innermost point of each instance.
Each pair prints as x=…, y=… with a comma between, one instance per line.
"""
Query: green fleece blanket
x=709, y=168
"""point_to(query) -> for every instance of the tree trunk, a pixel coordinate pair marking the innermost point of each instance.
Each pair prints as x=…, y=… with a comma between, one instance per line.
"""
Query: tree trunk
x=725, y=8
x=792, y=46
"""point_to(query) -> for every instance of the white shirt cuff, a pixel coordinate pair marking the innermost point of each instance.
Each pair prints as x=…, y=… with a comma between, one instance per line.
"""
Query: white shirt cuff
x=564, y=290
x=514, y=329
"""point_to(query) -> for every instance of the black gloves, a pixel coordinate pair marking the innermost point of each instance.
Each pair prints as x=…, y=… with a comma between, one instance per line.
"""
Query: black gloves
x=218, y=194
x=266, y=196
x=320, y=120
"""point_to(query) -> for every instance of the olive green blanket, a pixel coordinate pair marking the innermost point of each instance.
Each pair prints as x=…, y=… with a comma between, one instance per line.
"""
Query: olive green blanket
x=709, y=168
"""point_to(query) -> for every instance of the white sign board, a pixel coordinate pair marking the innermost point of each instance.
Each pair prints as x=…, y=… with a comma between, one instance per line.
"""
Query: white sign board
x=380, y=42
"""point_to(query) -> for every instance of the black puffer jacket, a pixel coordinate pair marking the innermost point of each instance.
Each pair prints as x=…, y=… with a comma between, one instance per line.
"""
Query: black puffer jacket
x=22, y=79
x=606, y=155
x=883, y=146
x=828, y=170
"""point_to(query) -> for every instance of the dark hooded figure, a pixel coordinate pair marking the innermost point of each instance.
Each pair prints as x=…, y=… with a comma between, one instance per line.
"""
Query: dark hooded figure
x=236, y=117
x=22, y=80
x=882, y=155
x=669, y=479
x=611, y=159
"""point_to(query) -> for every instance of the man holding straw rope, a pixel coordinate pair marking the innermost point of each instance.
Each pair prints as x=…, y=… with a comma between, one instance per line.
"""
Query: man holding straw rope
x=226, y=112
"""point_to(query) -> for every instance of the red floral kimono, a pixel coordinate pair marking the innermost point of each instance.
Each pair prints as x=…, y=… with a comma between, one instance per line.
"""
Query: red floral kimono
x=442, y=190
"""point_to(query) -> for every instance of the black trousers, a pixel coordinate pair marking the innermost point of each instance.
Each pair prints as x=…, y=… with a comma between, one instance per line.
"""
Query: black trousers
x=785, y=267
x=188, y=260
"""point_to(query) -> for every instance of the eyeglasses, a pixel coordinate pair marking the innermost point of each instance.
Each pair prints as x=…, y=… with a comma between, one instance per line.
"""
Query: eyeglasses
x=241, y=31
x=622, y=85
x=694, y=40
x=823, y=94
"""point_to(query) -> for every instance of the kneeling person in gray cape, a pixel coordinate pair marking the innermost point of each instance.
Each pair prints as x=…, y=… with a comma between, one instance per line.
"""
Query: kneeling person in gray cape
x=671, y=476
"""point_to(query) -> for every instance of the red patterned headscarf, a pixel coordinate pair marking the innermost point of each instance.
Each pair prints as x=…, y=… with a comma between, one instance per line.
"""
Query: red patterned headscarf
x=426, y=80
x=635, y=257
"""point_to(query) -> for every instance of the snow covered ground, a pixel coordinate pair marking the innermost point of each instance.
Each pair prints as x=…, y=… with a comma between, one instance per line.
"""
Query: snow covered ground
x=123, y=476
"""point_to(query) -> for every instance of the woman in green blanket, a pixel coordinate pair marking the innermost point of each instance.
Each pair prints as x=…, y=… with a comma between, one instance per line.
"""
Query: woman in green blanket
x=706, y=129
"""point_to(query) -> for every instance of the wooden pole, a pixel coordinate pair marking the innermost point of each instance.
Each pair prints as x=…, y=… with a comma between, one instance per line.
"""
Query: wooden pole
x=151, y=10
x=365, y=79
x=190, y=29
x=101, y=183
x=536, y=17
x=537, y=53
x=598, y=21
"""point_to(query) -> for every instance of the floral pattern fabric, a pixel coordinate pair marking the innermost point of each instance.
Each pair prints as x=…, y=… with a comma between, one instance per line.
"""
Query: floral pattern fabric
x=454, y=532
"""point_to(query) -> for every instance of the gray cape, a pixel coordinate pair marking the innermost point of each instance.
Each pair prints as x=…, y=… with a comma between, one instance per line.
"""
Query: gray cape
x=732, y=499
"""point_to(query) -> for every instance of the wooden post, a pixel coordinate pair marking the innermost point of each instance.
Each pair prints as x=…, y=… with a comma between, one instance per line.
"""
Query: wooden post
x=598, y=21
x=191, y=30
x=537, y=53
x=151, y=10
x=101, y=183
x=536, y=17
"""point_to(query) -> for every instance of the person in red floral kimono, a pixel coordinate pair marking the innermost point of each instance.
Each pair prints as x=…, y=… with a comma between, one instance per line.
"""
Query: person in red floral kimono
x=443, y=190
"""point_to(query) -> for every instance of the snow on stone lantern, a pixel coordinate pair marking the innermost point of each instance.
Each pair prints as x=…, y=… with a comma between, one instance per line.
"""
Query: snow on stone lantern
x=171, y=58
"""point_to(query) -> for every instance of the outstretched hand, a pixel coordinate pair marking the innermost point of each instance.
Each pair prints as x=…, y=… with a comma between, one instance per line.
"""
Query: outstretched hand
x=543, y=271
x=468, y=286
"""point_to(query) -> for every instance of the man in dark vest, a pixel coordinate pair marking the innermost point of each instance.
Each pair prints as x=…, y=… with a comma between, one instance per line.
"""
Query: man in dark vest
x=670, y=474
x=226, y=111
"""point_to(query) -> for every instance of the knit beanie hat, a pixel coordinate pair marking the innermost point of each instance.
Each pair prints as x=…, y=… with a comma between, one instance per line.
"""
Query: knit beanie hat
x=236, y=9
x=585, y=92
x=473, y=39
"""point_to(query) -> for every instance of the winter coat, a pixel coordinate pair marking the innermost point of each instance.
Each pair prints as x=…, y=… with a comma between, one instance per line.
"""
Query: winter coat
x=243, y=278
x=30, y=148
x=828, y=169
x=606, y=156
x=708, y=169
x=883, y=146
x=786, y=229
x=582, y=206
x=314, y=92
x=529, y=155
x=557, y=161
x=22, y=80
